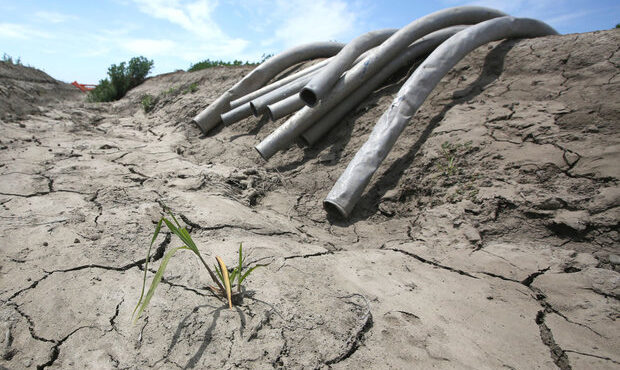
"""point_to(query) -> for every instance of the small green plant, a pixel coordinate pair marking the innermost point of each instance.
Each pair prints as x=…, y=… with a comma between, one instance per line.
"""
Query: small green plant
x=191, y=88
x=223, y=280
x=122, y=78
x=148, y=102
x=9, y=59
x=451, y=155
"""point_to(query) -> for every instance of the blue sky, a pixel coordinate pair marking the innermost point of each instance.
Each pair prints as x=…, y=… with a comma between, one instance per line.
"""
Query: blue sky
x=78, y=40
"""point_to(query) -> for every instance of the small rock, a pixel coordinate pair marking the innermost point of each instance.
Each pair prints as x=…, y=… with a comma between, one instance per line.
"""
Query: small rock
x=470, y=233
x=592, y=129
x=76, y=240
x=45, y=244
x=614, y=259
x=391, y=194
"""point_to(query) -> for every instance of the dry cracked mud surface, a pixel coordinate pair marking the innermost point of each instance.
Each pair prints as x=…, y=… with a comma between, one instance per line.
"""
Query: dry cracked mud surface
x=488, y=239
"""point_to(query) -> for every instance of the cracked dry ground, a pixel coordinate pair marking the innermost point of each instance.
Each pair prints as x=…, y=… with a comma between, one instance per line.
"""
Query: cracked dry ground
x=506, y=258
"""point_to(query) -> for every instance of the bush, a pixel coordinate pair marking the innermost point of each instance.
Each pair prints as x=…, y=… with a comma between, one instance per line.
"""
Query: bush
x=122, y=78
x=148, y=102
x=9, y=59
x=207, y=63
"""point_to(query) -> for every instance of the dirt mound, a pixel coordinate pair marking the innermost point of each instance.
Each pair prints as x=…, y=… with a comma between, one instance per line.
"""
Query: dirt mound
x=25, y=90
x=488, y=239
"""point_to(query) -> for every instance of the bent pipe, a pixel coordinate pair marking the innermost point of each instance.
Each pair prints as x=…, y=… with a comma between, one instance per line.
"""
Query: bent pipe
x=358, y=74
x=285, y=107
x=414, y=52
x=210, y=117
x=320, y=84
x=265, y=89
x=349, y=187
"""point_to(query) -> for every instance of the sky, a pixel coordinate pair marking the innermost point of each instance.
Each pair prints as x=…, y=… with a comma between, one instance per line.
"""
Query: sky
x=79, y=40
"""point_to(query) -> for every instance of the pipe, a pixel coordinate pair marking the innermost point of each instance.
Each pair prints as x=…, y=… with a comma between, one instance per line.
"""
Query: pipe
x=263, y=90
x=285, y=107
x=236, y=114
x=349, y=187
x=418, y=49
x=368, y=67
x=320, y=84
x=210, y=117
x=259, y=105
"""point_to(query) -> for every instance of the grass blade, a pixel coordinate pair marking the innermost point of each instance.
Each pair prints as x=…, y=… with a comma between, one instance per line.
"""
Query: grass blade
x=156, y=280
x=226, y=280
x=146, y=265
x=247, y=273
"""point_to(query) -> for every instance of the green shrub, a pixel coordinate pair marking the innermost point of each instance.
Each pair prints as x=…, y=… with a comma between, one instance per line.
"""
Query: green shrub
x=148, y=102
x=191, y=88
x=207, y=63
x=122, y=78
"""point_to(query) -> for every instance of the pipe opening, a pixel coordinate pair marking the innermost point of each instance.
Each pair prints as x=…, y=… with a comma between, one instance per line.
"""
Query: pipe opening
x=254, y=110
x=308, y=96
x=334, y=208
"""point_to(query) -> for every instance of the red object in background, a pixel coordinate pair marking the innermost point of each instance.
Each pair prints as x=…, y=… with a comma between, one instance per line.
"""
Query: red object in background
x=83, y=87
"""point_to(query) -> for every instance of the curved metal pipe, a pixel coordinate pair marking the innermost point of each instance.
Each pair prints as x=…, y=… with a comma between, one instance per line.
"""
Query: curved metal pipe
x=321, y=83
x=368, y=67
x=210, y=117
x=265, y=89
x=284, y=107
x=349, y=187
x=418, y=49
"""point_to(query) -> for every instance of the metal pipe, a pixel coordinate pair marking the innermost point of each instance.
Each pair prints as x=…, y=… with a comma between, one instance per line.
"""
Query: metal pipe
x=349, y=187
x=236, y=114
x=368, y=67
x=285, y=107
x=418, y=49
x=265, y=89
x=321, y=83
x=259, y=105
x=210, y=117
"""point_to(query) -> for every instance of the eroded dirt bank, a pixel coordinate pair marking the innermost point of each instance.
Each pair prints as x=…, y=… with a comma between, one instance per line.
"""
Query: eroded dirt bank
x=488, y=239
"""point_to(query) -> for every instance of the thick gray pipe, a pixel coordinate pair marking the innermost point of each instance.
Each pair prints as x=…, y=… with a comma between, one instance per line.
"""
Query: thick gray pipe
x=210, y=117
x=368, y=67
x=265, y=89
x=285, y=107
x=349, y=187
x=418, y=49
x=320, y=84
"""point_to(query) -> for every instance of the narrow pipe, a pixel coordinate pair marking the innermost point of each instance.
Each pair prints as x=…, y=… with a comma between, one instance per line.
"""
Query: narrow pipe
x=236, y=114
x=349, y=187
x=263, y=90
x=418, y=49
x=321, y=83
x=368, y=67
x=285, y=107
x=259, y=104
x=210, y=117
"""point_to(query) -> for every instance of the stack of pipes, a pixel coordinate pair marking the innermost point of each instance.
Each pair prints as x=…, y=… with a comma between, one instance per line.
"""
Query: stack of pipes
x=322, y=94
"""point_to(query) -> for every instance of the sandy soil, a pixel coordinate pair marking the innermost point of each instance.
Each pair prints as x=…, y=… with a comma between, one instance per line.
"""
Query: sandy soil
x=507, y=259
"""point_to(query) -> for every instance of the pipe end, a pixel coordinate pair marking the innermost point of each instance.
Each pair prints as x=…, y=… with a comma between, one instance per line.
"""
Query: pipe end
x=308, y=96
x=333, y=208
x=254, y=110
x=270, y=114
x=262, y=155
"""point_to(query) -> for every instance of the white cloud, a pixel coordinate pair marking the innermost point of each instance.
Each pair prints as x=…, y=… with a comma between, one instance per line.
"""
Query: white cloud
x=20, y=31
x=194, y=16
x=53, y=17
x=314, y=20
x=149, y=47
